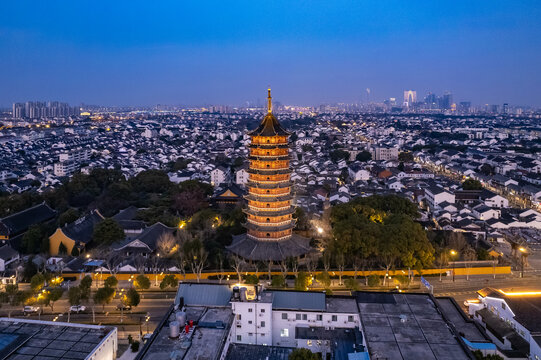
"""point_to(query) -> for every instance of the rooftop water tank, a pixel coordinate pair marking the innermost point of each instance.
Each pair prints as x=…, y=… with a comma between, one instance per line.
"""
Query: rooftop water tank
x=174, y=330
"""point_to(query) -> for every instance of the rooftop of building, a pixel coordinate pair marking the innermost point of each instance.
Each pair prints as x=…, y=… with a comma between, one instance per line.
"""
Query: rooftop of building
x=205, y=341
x=22, y=339
x=407, y=326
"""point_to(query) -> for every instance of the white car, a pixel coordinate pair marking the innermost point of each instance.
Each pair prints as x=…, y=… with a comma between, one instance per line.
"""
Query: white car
x=77, y=308
x=30, y=309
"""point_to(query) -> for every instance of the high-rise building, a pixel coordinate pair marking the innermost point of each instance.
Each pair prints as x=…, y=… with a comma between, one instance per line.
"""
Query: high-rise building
x=464, y=106
x=410, y=97
x=36, y=110
x=269, y=214
x=446, y=101
x=505, y=108
x=431, y=101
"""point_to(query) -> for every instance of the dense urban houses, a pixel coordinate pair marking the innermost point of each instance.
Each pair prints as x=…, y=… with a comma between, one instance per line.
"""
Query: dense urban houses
x=269, y=212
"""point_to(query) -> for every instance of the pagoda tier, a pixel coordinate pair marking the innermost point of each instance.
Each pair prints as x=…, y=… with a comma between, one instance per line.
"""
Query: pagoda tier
x=260, y=201
x=287, y=211
x=287, y=226
x=269, y=172
x=269, y=185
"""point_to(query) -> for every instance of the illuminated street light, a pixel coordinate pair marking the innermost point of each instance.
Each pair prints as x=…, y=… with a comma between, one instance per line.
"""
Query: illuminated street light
x=320, y=230
x=453, y=253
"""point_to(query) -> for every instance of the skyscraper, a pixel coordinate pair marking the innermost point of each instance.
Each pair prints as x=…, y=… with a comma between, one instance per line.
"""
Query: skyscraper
x=269, y=214
x=410, y=97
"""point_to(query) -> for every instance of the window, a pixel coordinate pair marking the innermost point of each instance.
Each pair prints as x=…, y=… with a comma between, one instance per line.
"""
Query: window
x=334, y=318
x=268, y=234
x=262, y=310
x=239, y=338
x=262, y=334
x=304, y=317
x=284, y=333
x=262, y=324
x=503, y=305
x=319, y=317
x=309, y=343
x=249, y=321
x=284, y=316
x=268, y=219
x=250, y=310
x=250, y=334
x=297, y=316
x=239, y=317
x=350, y=318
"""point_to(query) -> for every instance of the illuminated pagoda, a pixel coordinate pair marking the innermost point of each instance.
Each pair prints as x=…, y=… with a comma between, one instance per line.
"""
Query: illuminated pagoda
x=269, y=213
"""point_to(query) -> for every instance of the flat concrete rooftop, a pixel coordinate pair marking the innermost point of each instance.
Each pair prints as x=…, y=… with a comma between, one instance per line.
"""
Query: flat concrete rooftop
x=206, y=342
x=406, y=326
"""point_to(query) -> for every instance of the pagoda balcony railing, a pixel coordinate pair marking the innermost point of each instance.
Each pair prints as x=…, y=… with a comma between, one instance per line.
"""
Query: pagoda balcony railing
x=268, y=146
x=271, y=224
x=269, y=171
x=264, y=213
x=269, y=157
x=269, y=209
x=270, y=195
x=269, y=239
x=268, y=181
x=267, y=184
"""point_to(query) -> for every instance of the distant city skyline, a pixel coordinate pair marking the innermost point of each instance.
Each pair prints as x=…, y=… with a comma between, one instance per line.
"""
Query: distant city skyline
x=138, y=53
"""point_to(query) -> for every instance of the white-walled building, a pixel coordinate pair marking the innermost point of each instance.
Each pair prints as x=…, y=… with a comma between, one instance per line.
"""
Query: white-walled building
x=241, y=177
x=436, y=195
x=219, y=176
x=512, y=319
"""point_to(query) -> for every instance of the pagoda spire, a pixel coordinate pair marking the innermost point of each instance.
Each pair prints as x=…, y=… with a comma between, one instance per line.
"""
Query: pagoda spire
x=269, y=102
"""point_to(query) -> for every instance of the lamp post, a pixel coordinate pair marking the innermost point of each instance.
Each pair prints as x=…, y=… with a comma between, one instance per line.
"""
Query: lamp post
x=522, y=254
x=453, y=253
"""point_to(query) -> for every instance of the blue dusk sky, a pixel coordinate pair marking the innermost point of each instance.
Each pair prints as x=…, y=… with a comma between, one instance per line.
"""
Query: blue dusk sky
x=228, y=52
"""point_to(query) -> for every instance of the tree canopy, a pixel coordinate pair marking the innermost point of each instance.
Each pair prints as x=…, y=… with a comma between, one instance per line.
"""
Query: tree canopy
x=363, y=156
x=471, y=184
x=107, y=232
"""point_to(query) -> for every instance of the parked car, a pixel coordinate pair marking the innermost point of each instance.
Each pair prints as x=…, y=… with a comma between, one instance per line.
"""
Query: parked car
x=77, y=308
x=123, y=307
x=30, y=309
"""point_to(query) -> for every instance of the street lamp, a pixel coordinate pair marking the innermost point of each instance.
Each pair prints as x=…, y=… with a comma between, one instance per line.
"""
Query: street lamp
x=319, y=230
x=522, y=251
x=453, y=253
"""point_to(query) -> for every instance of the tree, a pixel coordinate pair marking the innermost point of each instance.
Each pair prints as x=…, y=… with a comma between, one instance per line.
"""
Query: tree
x=471, y=184
x=132, y=297
x=405, y=157
x=142, y=282
x=302, y=221
x=166, y=244
x=104, y=296
x=278, y=281
x=68, y=217
x=303, y=354
x=251, y=279
x=196, y=256
x=111, y=282
x=74, y=251
x=54, y=295
x=363, y=156
x=324, y=279
x=169, y=281
x=352, y=284
x=62, y=249
x=74, y=295
x=302, y=281
x=32, y=239
x=237, y=263
x=107, y=232
x=337, y=155
x=37, y=282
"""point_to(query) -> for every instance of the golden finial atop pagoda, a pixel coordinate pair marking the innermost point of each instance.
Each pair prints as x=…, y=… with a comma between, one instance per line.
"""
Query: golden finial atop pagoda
x=269, y=99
